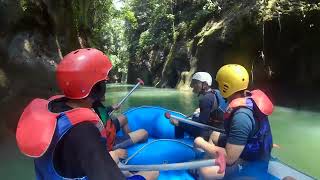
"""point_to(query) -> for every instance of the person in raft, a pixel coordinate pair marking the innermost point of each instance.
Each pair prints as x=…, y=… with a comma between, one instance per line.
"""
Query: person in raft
x=248, y=139
x=211, y=107
x=117, y=123
x=63, y=134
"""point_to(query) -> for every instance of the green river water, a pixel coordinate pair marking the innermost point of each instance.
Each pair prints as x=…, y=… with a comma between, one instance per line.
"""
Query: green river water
x=297, y=132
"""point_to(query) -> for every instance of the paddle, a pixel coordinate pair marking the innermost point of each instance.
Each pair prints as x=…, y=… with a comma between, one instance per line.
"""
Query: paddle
x=202, y=126
x=219, y=161
x=193, y=123
x=140, y=82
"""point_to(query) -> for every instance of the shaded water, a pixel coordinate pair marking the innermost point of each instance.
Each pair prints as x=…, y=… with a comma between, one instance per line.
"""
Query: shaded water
x=297, y=132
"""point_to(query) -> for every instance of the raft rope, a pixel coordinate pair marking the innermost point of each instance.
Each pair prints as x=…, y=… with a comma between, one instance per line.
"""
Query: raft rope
x=165, y=167
x=157, y=140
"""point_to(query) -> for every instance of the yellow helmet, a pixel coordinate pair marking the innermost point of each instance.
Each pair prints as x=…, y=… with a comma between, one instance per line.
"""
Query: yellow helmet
x=232, y=78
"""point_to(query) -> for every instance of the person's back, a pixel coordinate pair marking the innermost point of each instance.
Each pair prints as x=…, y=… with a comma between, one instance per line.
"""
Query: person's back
x=248, y=138
x=218, y=107
x=211, y=107
x=63, y=134
x=244, y=129
x=72, y=157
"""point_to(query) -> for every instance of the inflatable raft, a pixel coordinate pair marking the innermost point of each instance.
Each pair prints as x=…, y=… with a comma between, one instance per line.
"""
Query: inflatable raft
x=175, y=156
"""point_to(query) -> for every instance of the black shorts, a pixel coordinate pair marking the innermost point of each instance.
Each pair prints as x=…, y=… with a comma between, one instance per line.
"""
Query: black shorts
x=120, y=139
x=222, y=141
x=192, y=130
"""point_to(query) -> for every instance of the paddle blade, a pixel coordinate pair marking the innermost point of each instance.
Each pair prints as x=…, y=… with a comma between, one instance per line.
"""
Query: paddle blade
x=140, y=81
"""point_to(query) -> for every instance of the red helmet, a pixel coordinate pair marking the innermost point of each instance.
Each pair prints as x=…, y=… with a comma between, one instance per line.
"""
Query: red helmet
x=80, y=70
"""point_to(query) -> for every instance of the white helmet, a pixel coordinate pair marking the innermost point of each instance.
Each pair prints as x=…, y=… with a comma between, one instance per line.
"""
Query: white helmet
x=203, y=77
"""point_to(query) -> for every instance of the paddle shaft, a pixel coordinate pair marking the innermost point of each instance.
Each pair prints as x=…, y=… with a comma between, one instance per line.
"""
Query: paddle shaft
x=126, y=97
x=193, y=123
x=166, y=167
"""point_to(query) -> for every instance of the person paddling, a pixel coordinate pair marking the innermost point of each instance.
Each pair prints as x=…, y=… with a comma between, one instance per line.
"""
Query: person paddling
x=211, y=107
x=63, y=134
x=248, y=138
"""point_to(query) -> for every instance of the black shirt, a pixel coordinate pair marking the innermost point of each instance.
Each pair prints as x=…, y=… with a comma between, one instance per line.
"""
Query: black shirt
x=81, y=152
x=206, y=104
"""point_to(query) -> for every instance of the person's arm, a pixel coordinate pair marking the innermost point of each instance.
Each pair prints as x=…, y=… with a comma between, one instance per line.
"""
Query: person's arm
x=232, y=152
x=208, y=147
x=92, y=155
x=241, y=127
x=210, y=172
x=205, y=105
x=114, y=156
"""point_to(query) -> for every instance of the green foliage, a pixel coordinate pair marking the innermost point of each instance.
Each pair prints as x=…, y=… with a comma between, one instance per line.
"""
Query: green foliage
x=24, y=4
x=130, y=17
x=270, y=9
x=142, y=26
x=145, y=40
x=147, y=31
x=149, y=25
x=101, y=12
x=109, y=33
x=211, y=6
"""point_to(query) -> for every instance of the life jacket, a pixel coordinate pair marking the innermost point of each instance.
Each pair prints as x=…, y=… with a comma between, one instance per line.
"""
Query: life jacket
x=40, y=130
x=111, y=134
x=110, y=128
x=219, y=107
x=222, y=102
x=259, y=144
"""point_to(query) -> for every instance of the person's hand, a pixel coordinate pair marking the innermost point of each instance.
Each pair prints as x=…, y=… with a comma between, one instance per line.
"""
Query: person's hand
x=174, y=122
x=196, y=113
x=116, y=107
x=121, y=153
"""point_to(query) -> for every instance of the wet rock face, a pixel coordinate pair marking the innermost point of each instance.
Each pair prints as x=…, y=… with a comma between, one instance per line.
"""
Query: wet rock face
x=27, y=72
x=276, y=41
x=32, y=49
x=34, y=35
x=28, y=56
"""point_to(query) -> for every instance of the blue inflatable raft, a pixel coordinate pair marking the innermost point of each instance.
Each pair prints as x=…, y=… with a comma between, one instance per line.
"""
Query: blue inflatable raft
x=162, y=147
